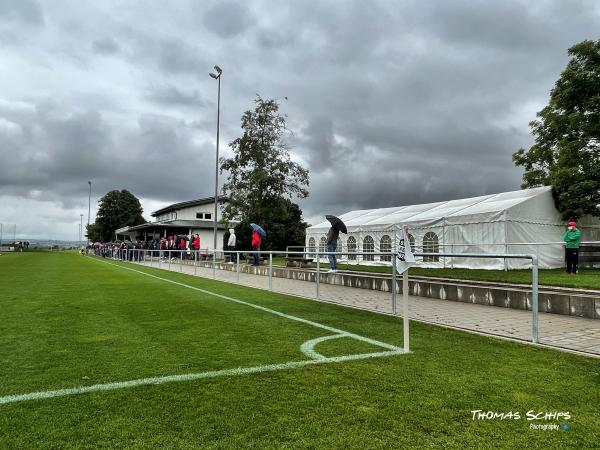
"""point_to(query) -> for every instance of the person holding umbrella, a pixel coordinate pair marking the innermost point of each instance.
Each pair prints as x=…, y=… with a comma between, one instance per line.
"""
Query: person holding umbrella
x=332, y=237
x=256, y=240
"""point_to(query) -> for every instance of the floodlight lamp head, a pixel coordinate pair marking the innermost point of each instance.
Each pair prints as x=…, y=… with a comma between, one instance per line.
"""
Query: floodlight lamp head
x=218, y=69
x=213, y=75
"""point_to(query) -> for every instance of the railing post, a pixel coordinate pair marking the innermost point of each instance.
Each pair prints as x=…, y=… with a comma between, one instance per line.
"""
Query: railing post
x=169, y=260
x=181, y=261
x=195, y=261
x=405, y=311
x=270, y=271
x=534, y=299
x=394, y=294
x=318, y=274
x=237, y=268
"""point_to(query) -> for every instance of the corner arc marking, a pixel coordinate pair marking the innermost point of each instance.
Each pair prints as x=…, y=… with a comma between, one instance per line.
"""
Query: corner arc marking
x=308, y=347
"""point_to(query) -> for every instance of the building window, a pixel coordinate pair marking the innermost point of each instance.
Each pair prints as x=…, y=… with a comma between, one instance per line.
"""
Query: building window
x=352, y=248
x=173, y=215
x=430, y=245
x=199, y=215
x=207, y=216
x=368, y=247
x=311, y=246
x=385, y=245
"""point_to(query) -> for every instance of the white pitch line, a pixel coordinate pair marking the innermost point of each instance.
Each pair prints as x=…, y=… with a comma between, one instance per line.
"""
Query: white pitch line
x=189, y=377
x=307, y=348
x=262, y=308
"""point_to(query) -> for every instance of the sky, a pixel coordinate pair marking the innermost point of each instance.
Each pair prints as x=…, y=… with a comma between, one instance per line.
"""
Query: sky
x=388, y=103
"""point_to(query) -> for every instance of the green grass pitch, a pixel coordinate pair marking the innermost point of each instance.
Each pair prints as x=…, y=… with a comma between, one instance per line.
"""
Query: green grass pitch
x=97, y=354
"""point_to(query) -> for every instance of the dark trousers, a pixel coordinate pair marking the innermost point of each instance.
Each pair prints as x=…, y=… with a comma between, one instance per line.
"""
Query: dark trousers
x=572, y=257
x=256, y=255
x=232, y=255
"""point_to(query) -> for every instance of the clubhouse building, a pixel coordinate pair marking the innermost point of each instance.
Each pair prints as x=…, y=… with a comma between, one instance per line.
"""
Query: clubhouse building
x=184, y=218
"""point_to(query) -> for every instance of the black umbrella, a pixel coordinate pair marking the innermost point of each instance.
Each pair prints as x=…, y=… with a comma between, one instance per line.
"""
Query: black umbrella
x=337, y=224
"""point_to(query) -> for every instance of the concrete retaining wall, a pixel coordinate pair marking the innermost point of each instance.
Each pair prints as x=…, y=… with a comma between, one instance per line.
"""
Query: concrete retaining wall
x=553, y=300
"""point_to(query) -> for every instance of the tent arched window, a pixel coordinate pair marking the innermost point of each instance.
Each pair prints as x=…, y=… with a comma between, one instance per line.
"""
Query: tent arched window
x=385, y=245
x=430, y=245
x=368, y=247
x=322, y=244
x=351, y=244
x=411, y=239
x=312, y=246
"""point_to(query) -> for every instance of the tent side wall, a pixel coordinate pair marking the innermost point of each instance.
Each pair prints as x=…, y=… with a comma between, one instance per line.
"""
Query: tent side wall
x=482, y=237
x=535, y=227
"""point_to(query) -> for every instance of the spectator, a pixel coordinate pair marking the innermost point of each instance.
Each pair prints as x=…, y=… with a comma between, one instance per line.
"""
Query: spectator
x=256, y=239
x=231, y=244
x=572, y=239
x=332, y=237
x=197, y=245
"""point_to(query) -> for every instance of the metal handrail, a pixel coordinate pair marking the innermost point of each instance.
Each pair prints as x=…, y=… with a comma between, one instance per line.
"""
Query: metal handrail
x=134, y=255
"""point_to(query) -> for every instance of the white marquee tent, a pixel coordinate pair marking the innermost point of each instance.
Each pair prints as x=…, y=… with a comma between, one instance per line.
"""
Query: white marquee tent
x=523, y=221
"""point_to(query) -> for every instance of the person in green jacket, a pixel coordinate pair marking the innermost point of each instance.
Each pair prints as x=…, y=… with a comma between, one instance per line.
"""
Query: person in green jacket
x=572, y=238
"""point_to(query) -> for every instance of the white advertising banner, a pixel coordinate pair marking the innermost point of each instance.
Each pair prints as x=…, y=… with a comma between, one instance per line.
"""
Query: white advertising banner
x=404, y=256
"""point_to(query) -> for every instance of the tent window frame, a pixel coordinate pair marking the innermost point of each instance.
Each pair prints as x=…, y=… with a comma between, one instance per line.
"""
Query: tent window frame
x=368, y=247
x=385, y=245
x=312, y=246
x=351, y=245
x=431, y=245
x=322, y=244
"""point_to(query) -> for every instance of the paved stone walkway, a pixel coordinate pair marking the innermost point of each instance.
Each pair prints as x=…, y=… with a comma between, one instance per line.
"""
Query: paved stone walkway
x=573, y=333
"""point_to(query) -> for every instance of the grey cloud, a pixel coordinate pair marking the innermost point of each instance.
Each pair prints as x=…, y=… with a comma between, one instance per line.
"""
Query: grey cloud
x=169, y=95
x=228, y=18
x=105, y=46
x=55, y=152
x=170, y=54
x=390, y=103
x=28, y=12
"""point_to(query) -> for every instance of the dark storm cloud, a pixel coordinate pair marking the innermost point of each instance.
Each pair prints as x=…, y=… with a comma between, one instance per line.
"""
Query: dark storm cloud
x=389, y=103
x=55, y=151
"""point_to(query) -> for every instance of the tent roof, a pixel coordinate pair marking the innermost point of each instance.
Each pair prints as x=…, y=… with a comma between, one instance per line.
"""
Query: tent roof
x=486, y=204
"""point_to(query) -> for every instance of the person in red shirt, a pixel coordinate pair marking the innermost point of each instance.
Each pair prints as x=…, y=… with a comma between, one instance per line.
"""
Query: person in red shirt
x=196, y=245
x=256, y=247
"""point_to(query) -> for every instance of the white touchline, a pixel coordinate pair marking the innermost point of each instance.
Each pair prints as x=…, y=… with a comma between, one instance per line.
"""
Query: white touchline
x=307, y=348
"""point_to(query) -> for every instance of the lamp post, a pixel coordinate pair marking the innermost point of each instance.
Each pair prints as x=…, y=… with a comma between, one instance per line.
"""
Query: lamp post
x=81, y=229
x=217, y=76
x=89, y=210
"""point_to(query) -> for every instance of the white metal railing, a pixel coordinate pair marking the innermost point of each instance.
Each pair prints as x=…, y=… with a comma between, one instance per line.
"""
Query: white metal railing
x=169, y=258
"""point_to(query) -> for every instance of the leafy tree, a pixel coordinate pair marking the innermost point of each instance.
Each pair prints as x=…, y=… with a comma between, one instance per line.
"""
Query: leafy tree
x=263, y=179
x=566, y=153
x=93, y=232
x=117, y=209
x=286, y=229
